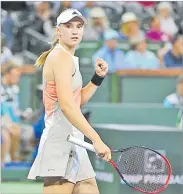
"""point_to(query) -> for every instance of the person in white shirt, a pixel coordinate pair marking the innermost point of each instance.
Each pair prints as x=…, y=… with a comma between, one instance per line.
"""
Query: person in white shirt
x=98, y=24
x=140, y=57
x=176, y=98
x=167, y=22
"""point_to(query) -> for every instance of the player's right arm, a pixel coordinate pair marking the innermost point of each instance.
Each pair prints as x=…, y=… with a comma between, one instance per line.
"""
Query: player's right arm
x=62, y=65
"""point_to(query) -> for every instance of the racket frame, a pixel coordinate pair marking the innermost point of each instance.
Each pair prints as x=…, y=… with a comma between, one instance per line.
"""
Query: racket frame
x=90, y=147
x=140, y=190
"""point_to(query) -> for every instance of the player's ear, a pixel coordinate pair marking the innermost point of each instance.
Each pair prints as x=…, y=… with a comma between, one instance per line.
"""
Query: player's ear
x=58, y=33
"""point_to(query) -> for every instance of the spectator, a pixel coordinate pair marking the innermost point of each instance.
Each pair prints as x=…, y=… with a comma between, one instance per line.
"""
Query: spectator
x=79, y=5
x=10, y=92
x=87, y=8
x=5, y=137
x=62, y=5
x=5, y=145
x=140, y=57
x=10, y=104
x=109, y=52
x=108, y=5
x=147, y=3
x=14, y=5
x=43, y=21
x=10, y=135
x=7, y=25
x=154, y=33
x=59, y=6
x=174, y=57
x=97, y=25
x=175, y=98
x=167, y=23
x=6, y=54
x=130, y=27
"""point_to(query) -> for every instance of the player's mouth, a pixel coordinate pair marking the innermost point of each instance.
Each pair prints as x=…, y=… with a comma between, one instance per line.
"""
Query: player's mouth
x=74, y=38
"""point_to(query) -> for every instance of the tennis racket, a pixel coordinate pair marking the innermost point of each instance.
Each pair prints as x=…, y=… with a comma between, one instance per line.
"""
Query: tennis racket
x=153, y=177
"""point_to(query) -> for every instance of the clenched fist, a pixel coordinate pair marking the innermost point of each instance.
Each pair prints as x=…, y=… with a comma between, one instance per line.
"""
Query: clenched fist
x=101, y=67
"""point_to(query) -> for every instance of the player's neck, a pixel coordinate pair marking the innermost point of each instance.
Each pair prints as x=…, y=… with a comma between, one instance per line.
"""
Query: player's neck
x=71, y=50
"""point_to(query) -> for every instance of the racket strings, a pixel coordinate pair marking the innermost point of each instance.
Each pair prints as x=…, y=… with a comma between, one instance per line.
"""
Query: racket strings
x=143, y=169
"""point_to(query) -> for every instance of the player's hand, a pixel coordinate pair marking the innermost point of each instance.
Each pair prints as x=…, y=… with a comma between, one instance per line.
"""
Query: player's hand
x=102, y=150
x=101, y=67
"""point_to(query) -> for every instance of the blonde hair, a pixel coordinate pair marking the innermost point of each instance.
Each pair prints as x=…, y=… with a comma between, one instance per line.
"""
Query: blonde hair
x=42, y=58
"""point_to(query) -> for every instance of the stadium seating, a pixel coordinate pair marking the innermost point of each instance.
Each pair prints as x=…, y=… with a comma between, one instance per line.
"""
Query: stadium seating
x=137, y=114
x=35, y=42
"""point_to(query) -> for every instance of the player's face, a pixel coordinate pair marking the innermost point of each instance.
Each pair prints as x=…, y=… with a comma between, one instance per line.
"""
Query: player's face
x=71, y=32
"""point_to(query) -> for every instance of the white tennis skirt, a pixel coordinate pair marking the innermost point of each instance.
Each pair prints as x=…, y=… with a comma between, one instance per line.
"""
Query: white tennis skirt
x=61, y=158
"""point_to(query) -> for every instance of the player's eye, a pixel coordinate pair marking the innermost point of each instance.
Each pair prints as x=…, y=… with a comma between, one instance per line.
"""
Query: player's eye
x=68, y=25
x=79, y=26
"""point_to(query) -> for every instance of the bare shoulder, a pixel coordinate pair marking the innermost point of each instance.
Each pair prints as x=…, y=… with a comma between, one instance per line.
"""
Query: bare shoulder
x=57, y=57
x=55, y=61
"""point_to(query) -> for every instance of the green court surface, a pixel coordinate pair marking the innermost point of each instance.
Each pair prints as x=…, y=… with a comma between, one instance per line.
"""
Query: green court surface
x=21, y=188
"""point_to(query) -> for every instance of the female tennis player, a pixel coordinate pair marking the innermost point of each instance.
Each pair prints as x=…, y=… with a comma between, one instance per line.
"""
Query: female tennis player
x=66, y=168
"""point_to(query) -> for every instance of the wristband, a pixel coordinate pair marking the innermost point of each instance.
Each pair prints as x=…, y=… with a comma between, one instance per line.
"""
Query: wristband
x=97, y=80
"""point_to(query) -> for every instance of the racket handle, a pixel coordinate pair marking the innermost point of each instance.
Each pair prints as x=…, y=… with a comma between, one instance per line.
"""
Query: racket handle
x=80, y=143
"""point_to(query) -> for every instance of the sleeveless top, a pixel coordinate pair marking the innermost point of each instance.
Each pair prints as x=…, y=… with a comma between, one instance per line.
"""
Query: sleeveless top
x=56, y=124
x=56, y=156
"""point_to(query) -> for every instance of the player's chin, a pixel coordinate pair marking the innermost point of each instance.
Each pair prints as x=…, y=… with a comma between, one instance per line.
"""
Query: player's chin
x=75, y=42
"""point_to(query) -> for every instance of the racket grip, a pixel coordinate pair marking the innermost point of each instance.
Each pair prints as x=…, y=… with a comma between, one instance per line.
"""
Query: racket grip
x=80, y=143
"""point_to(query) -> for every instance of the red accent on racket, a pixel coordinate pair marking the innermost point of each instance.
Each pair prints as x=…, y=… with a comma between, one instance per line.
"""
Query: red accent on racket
x=152, y=169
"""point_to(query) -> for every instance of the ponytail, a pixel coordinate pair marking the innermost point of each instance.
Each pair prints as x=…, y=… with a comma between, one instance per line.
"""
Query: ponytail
x=42, y=58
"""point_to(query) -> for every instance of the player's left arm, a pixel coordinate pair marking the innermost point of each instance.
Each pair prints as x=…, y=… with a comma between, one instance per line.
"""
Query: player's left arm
x=101, y=69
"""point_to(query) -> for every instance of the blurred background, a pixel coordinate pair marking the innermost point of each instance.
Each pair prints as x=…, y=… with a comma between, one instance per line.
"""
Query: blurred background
x=139, y=103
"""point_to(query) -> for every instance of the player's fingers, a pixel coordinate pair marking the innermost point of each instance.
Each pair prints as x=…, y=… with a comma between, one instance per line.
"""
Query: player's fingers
x=101, y=155
x=103, y=66
x=99, y=60
x=108, y=154
x=105, y=157
x=98, y=69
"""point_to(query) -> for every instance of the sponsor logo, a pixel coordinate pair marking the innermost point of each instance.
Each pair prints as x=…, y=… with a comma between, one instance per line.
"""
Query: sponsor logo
x=154, y=170
x=136, y=179
x=154, y=163
x=153, y=179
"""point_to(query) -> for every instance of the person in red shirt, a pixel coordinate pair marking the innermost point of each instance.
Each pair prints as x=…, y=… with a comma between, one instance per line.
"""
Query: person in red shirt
x=154, y=33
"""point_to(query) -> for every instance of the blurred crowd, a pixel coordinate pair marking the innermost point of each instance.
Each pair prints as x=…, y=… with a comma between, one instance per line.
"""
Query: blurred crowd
x=15, y=132
x=27, y=27
x=137, y=23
